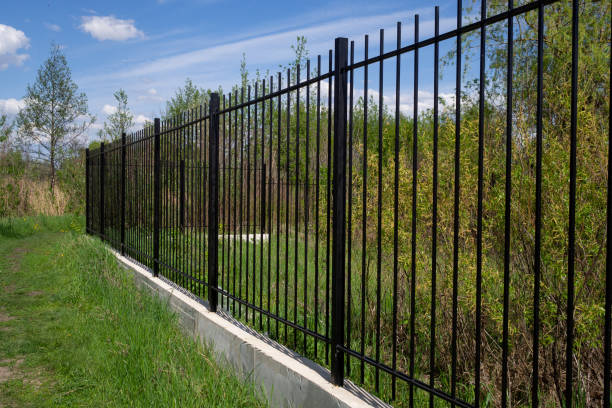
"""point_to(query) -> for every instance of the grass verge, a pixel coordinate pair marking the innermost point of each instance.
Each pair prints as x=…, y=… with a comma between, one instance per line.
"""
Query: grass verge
x=75, y=331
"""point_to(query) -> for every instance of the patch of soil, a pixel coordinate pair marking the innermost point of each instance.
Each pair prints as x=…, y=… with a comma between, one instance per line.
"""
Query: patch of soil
x=5, y=318
x=10, y=371
x=8, y=289
x=15, y=258
x=6, y=373
x=35, y=293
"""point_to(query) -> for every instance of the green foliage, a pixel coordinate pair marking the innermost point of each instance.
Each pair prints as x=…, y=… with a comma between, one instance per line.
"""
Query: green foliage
x=55, y=115
x=119, y=122
x=592, y=164
x=185, y=98
x=5, y=128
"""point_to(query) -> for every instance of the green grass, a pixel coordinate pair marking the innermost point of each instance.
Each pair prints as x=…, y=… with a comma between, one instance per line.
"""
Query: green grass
x=244, y=273
x=75, y=331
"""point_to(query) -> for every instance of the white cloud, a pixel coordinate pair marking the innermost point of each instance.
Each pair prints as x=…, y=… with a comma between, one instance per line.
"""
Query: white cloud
x=110, y=28
x=11, y=106
x=425, y=100
x=53, y=27
x=108, y=109
x=150, y=95
x=141, y=119
x=264, y=49
x=11, y=41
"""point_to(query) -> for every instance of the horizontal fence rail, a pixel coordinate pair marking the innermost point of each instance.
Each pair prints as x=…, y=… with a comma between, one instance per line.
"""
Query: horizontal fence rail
x=438, y=248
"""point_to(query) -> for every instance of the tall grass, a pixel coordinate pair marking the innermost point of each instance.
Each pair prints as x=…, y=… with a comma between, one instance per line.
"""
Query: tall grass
x=89, y=337
x=24, y=196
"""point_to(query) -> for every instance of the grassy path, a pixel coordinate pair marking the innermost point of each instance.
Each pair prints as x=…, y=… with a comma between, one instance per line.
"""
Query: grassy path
x=74, y=331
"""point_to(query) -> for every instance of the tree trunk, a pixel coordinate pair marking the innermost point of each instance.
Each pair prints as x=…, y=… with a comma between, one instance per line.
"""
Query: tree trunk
x=52, y=179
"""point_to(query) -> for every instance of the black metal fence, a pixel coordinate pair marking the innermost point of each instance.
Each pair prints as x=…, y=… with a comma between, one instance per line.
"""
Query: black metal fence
x=274, y=201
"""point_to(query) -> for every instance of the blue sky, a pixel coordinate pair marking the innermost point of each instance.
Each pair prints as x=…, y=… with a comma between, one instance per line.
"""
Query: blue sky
x=150, y=47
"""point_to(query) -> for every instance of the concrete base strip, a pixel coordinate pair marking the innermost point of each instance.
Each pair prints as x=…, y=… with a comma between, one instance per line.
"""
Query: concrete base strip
x=287, y=380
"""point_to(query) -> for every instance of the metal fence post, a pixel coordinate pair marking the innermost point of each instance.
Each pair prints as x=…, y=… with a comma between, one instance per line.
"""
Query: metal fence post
x=213, y=202
x=338, y=209
x=101, y=232
x=157, y=197
x=87, y=198
x=262, y=191
x=182, y=194
x=123, y=154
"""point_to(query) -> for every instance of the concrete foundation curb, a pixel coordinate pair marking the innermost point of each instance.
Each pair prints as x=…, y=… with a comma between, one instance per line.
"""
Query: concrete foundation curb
x=287, y=379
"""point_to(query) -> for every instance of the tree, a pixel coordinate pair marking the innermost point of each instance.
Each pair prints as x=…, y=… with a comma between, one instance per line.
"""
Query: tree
x=5, y=128
x=55, y=115
x=120, y=121
x=185, y=98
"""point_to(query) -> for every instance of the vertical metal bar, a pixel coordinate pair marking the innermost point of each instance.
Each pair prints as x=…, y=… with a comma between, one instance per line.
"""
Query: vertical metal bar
x=190, y=222
x=175, y=158
x=130, y=205
x=241, y=220
x=349, y=227
x=224, y=270
x=185, y=234
x=379, y=209
x=262, y=191
x=572, y=201
x=415, y=121
x=235, y=216
x=157, y=198
x=328, y=203
x=538, y=212
x=262, y=209
x=270, y=202
x=248, y=203
x=287, y=200
x=146, y=188
x=317, y=190
x=203, y=196
x=213, y=201
x=434, y=217
x=181, y=253
x=509, y=78
x=135, y=204
x=163, y=183
x=254, y=199
x=364, y=201
x=102, y=164
x=396, y=208
x=297, y=203
x=223, y=205
x=278, y=196
x=186, y=205
x=182, y=194
x=254, y=222
x=87, y=193
x=136, y=201
x=171, y=191
x=123, y=141
x=306, y=207
x=339, y=204
x=481, y=119
x=168, y=190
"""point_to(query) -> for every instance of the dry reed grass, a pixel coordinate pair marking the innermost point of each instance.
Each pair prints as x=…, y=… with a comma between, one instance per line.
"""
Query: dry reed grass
x=24, y=196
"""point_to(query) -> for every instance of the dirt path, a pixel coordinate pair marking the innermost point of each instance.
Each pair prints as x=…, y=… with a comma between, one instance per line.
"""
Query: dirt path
x=17, y=371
